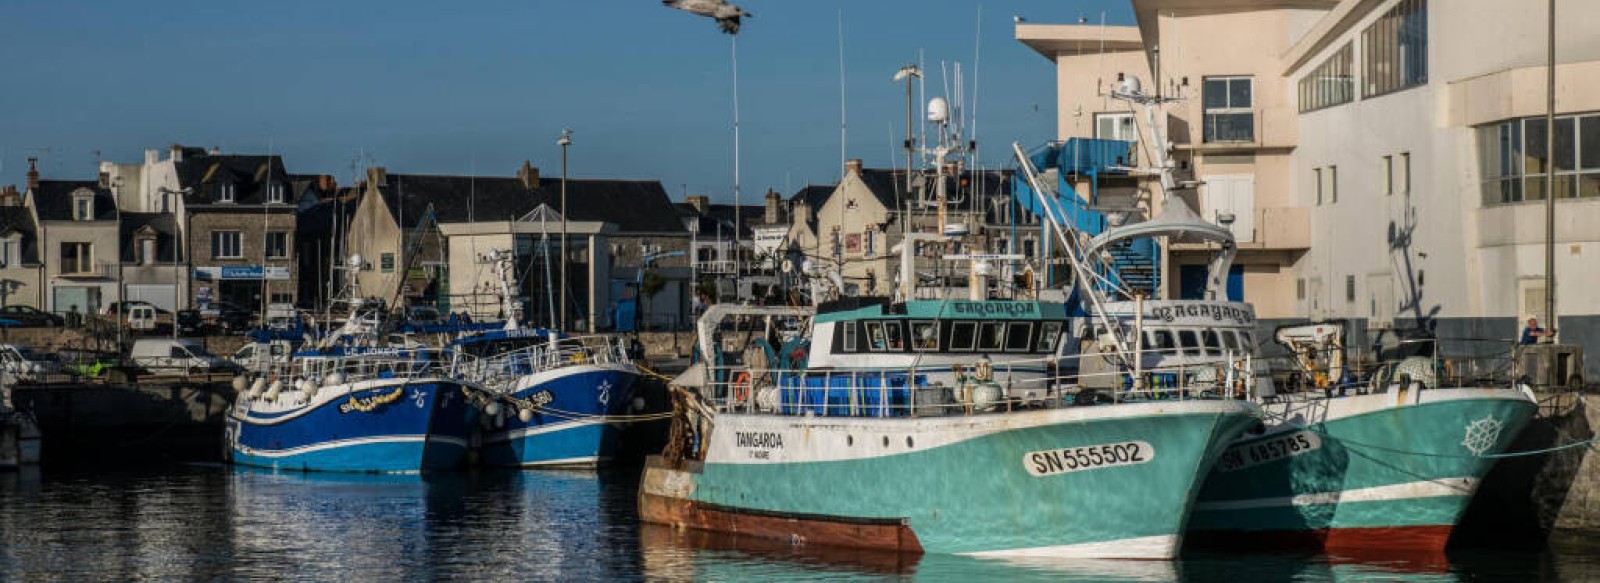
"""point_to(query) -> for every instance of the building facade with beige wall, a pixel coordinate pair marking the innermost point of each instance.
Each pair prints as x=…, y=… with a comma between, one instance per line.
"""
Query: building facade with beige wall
x=1393, y=178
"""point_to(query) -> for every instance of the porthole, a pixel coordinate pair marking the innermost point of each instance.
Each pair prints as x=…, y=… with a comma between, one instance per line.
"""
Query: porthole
x=886, y=441
x=850, y=440
x=910, y=443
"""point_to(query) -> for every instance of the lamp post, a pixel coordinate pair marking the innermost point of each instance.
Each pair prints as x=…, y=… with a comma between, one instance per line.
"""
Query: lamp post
x=165, y=192
x=566, y=140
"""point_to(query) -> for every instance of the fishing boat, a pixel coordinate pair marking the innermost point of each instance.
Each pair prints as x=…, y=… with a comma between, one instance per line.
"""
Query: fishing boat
x=349, y=405
x=929, y=422
x=1384, y=461
x=561, y=398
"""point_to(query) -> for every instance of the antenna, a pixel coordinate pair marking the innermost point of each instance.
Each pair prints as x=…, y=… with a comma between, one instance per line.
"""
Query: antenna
x=842, y=133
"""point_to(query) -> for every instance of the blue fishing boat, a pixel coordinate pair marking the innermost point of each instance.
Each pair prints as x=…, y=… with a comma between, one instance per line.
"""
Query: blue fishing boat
x=353, y=410
x=559, y=397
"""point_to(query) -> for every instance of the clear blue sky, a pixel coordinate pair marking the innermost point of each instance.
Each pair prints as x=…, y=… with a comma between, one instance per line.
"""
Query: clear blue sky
x=476, y=87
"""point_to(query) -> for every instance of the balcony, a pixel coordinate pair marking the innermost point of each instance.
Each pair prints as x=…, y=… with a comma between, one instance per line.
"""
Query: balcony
x=1274, y=229
x=100, y=269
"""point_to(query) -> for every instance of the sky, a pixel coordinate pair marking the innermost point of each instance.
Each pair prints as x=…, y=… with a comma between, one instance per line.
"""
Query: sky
x=478, y=87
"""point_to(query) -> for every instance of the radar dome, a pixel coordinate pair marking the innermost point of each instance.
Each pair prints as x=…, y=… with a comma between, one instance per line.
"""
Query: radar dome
x=938, y=110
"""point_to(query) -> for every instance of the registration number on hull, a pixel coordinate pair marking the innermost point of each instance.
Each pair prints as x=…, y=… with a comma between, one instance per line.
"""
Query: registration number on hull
x=1246, y=455
x=1089, y=457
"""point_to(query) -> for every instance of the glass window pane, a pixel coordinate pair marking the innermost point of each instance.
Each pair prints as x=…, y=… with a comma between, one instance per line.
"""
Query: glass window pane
x=1566, y=144
x=1239, y=93
x=1589, y=142
x=963, y=335
x=1215, y=93
x=1534, y=188
x=1533, y=162
x=1589, y=185
x=1019, y=336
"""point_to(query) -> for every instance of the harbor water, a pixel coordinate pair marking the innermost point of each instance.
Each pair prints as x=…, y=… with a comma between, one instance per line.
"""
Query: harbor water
x=211, y=522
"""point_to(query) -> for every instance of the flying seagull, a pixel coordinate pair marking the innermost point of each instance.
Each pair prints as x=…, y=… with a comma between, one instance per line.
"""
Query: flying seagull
x=727, y=15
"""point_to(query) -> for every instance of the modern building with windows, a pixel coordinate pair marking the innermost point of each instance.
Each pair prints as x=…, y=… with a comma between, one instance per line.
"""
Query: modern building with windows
x=1382, y=160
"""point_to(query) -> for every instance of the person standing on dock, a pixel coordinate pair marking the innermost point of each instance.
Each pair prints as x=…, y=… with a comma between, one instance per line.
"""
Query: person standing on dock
x=1532, y=333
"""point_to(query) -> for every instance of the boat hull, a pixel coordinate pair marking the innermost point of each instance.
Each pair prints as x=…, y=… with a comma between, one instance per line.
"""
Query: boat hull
x=571, y=429
x=388, y=426
x=1385, y=472
x=986, y=485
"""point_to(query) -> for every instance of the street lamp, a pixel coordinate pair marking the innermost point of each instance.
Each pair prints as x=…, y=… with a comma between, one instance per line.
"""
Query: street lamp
x=165, y=192
x=566, y=140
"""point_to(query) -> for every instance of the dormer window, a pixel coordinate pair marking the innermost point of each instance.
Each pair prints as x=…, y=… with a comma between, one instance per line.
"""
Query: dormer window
x=147, y=250
x=82, y=205
x=225, y=192
x=275, y=192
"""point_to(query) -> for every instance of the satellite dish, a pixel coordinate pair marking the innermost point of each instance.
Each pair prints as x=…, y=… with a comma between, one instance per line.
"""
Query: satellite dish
x=1129, y=85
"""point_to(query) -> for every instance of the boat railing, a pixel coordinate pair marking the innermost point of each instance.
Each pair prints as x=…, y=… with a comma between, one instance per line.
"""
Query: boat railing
x=501, y=368
x=980, y=387
x=1429, y=362
x=308, y=375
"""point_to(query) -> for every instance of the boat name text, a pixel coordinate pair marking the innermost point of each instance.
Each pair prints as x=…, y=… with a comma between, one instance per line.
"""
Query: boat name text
x=1013, y=309
x=761, y=443
x=1088, y=457
x=1215, y=312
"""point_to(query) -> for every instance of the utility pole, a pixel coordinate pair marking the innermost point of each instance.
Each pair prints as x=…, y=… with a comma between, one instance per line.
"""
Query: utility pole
x=566, y=140
x=1550, y=179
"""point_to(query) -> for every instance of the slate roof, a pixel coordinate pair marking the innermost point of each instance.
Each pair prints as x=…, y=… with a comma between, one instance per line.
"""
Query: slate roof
x=17, y=219
x=250, y=175
x=53, y=200
x=165, y=226
x=814, y=195
x=634, y=206
x=317, y=219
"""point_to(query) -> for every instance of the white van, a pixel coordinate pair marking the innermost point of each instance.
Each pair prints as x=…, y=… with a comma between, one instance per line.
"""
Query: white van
x=165, y=356
x=142, y=318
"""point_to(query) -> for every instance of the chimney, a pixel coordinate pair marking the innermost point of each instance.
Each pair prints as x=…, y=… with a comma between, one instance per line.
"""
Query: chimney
x=151, y=157
x=9, y=196
x=700, y=202
x=773, y=216
x=176, y=152
x=529, y=175
x=852, y=166
x=105, y=179
x=378, y=176
x=33, y=173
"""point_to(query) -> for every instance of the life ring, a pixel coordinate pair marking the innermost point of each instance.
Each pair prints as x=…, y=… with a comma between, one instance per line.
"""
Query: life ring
x=797, y=356
x=741, y=386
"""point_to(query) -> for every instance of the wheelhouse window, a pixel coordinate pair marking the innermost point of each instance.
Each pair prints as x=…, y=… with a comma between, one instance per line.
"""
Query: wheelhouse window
x=848, y=331
x=1209, y=339
x=1188, y=343
x=1019, y=336
x=963, y=336
x=875, y=339
x=892, y=331
x=924, y=336
x=1048, y=332
x=1162, y=341
x=1229, y=109
x=1230, y=341
x=991, y=337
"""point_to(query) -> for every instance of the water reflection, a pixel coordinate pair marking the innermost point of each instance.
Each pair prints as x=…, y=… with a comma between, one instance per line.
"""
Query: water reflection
x=217, y=523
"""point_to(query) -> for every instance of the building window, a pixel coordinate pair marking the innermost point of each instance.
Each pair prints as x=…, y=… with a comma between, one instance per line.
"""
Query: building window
x=275, y=192
x=1405, y=173
x=82, y=208
x=1394, y=49
x=871, y=242
x=1331, y=83
x=1388, y=175
x=1300, y=288
x=277, y=244
x=1350, y=289
x=8, y=252
x=1316, y=176
x=1513, y=162
x=225, y=192
x=386, y=262
x=147, y=250
x=227, y=244
x=77, y=257
x=1331, y=174
x=1228, y=114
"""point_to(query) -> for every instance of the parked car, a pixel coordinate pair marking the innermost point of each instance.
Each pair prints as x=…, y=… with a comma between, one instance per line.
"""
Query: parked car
x=165, y=356
x=190, y=322
x=31, y=316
